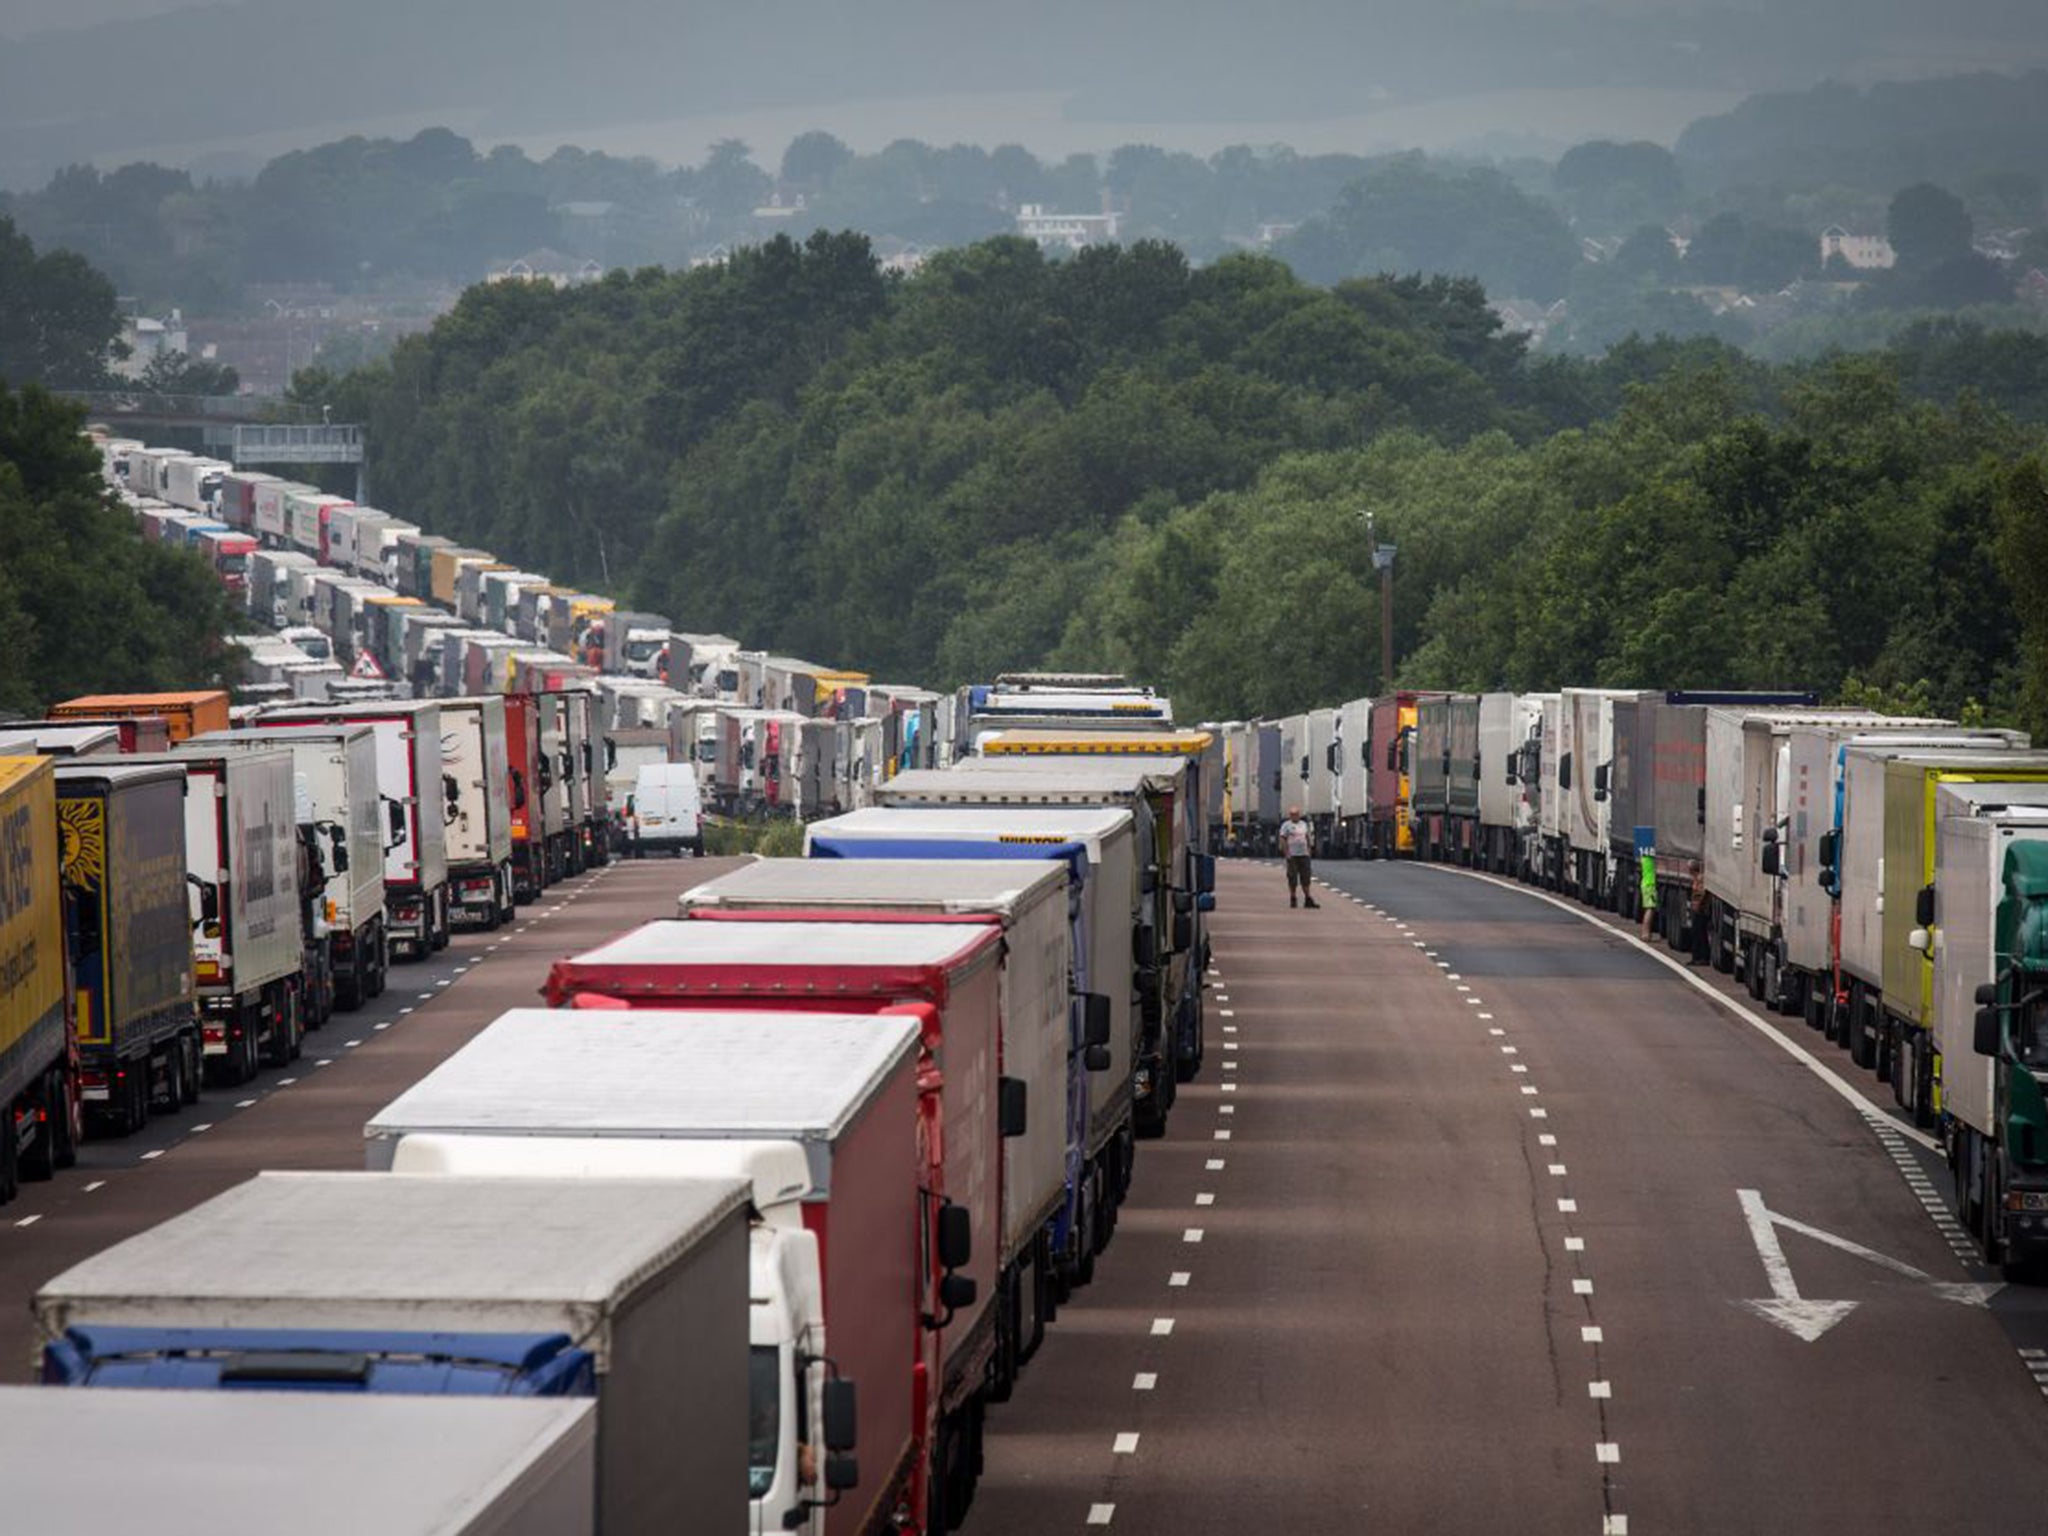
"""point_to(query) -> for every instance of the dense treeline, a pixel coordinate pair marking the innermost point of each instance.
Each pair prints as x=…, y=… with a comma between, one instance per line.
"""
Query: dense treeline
x=85, y=604
x=1122, y=460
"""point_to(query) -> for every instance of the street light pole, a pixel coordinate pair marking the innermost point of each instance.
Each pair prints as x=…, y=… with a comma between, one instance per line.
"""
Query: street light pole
x=1383, y=562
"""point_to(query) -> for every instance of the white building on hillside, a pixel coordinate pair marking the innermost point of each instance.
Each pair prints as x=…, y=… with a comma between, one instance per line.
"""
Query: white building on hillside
x=1065, y=231
x=1866, y=253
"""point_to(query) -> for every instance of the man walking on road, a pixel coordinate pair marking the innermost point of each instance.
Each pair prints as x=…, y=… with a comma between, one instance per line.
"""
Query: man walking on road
x=1294, y=845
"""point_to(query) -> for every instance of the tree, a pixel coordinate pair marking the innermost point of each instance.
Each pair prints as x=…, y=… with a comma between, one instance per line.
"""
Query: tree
x=180, y=373
x=58, y=321
x=1609, y=186
x=1649, y=252
x=2022, y=523
x=728, y=182
x=812, y=160
x=1928, y=226
x=87, y=606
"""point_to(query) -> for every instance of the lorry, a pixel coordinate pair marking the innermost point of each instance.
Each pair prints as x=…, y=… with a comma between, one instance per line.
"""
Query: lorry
x=528, y=776
x=632, y=1292
x=854, y=1249
x=1004, y=1100
x=315, y=1463
x=1988, y=940
x=1389, y=788
x=1040, y=906
x=40, y=1110
x=308, y=516
x=1886, y=869
x=334, y=793
x=1177, y=879
x=121, y=839
x=1118, y=924
x=1508, y=722
x=241, y=866
x=476, y=776
x=184, y=714
x=411, y=784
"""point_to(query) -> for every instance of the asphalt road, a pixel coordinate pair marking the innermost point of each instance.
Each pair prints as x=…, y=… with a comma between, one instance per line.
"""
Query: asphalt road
x=311, y=1114
x=1482, y=1251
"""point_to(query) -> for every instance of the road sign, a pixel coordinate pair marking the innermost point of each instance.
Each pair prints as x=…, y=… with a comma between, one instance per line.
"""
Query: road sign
x=366, y=667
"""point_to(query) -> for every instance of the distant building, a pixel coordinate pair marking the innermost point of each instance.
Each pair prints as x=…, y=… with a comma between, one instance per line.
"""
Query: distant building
x=776, y=211
x=1066, y=231
x=1526, y=317
x=1272, y=234
x=546, y=266
x=906, y=261
x=148, y=339
x=1866, y=253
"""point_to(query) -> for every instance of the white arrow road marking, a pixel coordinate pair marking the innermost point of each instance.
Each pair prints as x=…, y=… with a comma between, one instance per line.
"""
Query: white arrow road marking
x=1809, y=1319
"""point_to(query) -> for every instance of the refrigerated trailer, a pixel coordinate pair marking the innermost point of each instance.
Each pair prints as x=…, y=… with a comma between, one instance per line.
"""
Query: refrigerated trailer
x=410, y=783
x=853, y=1250
x=121, y=835
x=477, y=811
x=334, y=790
x=631, y=1292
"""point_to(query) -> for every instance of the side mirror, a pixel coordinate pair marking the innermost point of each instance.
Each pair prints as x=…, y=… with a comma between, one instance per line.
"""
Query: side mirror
x=842, y=1473
x=1600, y=774
x=1923, y=907
x=1987, y=994
x=1183, y=901
x=841, y=1415
x=1768, y=859
x=518, y=790
x=1148, y=881
x=337, y=842
x=1702, y=812
x=1183, y=930
x=956, y=1236
x=1986, y=1039
x=1205, y=902
x=1096, y=1058
x=1564, y=771
x=1825, y=855
x=957, y=1291
x=395, y=815
x=1922, y=940
x=1094, y=1018
x=1393, y=755
x=1012, y=1107
x=452, y=793
x=1330, y=758
x=611, y=754
x=1205, y=872
x=1143, y=950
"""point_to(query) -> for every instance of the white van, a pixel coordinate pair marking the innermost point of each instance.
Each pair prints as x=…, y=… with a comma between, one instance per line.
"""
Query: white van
x=665, y=813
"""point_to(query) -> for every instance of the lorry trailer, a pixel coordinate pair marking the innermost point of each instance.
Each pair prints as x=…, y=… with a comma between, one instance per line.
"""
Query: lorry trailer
x=631, y=1292
x=854, y=1254
x=40, y=1110
x=477, y=811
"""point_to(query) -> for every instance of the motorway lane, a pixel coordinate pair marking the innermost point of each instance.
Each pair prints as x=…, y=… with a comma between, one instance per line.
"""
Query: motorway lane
x=311, y=1114
x=1471, y=1127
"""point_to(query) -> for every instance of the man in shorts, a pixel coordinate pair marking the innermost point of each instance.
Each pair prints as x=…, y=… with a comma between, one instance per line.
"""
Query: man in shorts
x=1294, y=846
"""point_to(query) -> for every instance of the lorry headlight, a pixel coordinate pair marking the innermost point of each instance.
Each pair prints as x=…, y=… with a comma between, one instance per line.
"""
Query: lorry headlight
x=2026, y=1200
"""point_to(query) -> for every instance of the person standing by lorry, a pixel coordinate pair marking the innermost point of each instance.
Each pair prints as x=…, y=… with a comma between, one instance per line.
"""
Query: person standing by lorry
x=1294, y=844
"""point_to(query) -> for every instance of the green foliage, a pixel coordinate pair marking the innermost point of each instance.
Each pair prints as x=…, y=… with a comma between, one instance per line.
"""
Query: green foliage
x=1609, y=186
x=1927, y=225
x=179, y=373
x=86, y=605
x=1405, y=215
x=57, y=318
x=781, y=838
x=2022, y=550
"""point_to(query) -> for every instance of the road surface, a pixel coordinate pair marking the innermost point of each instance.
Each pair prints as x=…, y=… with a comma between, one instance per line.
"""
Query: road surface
x=1465, y=1228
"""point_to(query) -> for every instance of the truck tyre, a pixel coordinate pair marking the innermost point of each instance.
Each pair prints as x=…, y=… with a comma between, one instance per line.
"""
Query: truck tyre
x=348, y=990
x=194, y=1057
x=173, y=1060
x=10, y=1175
x=39, y=1162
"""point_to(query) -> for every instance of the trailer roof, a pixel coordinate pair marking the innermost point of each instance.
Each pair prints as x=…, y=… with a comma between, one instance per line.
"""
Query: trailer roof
x=114, y=770
x=1986, y=795
x=857, y=947
x=1100, y=741
x=653, y=1072
x=996, y=823
x=1037, y=778
x=317, y=1464
x=377, y=1250
x=31, y=740
x=951, y=885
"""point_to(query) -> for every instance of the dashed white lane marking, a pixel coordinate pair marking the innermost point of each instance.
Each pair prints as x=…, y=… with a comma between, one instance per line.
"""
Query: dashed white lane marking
x=1191, y=1235
x=1472, y=1002
x=1557, y=1170
x=1538, y=1114
x=349, y=1045
x=426, y=997
x=1590, y=1335
x=1488, y=1016
x=1161, y=1327
x=244, y=1103
x=1546, y=1140
x=1872, y=1114
x=1567, y=1206
x=1614, y=1525
x=1228, y=1013
x=1230, y=1029
x=1493, y=1031
x=1511, y=1050
x=286, y=1082
x=1205, y=1198
x=1228, y=1087
x=1518, y=1066
x=1230, y=1045
x=1126, y=1444
x=28, y=1221
x=1180, y=1277
x=1599, y=1389
x=1229, y=1066
x=1144, y=1381
x=1223, y=1135
x=442, y=983
x=1529, y=1088
x=1582, y=1287
x=1463, y=988
x=381, y=1024
x=95, y=1184
x=403, y=1012
x=152, y=1155
x=1101, y=1514
x=198, y=1128
x=1606, y=1451
x=1214, y=1164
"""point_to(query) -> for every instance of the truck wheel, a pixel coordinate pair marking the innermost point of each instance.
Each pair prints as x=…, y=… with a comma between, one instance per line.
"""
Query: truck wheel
x=194, y=1058
x=173, y=1060
x=10, y=1177
x=348, y=991
x=39, y=1162
x=135, y=1099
